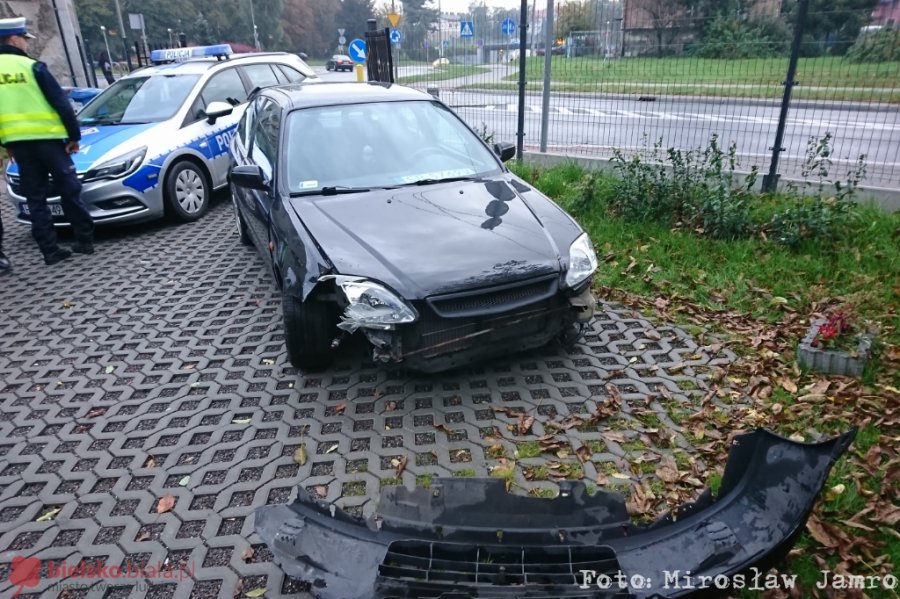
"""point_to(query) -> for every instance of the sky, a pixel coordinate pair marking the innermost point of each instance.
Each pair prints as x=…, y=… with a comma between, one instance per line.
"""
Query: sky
x=463, y=5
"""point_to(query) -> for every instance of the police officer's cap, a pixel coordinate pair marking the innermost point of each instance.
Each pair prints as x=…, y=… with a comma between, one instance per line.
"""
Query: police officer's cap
x=15, y=26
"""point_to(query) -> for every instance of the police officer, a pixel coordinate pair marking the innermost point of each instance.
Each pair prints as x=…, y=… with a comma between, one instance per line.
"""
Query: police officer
x=39, y=130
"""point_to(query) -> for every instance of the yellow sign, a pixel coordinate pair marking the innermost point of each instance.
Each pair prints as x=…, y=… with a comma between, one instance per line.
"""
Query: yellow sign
x=394, y=18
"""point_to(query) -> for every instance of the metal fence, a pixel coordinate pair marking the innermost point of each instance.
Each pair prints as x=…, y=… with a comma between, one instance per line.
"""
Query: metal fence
x=640, y=71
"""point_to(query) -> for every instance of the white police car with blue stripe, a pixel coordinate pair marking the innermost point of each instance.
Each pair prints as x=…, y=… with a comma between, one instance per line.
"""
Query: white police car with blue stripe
x=156, y=141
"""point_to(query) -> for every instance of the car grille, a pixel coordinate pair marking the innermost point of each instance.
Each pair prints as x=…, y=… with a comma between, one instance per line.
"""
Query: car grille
x=497, y=565
x=495, y=299
x=433, y=335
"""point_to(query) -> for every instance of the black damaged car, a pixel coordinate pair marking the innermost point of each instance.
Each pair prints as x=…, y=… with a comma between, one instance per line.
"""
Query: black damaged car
x=380, y=211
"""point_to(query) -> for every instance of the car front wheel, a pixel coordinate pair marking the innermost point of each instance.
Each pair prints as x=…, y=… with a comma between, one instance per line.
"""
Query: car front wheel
x=308, y=332
x=187, y=191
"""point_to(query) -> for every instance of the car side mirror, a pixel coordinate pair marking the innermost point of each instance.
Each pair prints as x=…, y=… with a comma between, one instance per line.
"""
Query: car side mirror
x=250, y=176
x=215, y=110
x=505, y=150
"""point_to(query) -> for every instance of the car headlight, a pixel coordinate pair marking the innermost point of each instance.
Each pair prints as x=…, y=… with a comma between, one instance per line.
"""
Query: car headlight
x=372, y=305
x=117, y=167
x=582, y=260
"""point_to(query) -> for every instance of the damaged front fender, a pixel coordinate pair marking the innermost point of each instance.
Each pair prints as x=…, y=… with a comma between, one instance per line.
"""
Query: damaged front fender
x=466, y=538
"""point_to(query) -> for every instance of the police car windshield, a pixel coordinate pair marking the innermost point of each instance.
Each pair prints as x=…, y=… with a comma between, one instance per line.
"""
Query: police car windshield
x=139, y=100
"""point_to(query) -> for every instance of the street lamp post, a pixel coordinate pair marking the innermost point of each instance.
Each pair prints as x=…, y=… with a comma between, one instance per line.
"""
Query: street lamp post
x=255, y=31
x=171, y=43
x=106, y=42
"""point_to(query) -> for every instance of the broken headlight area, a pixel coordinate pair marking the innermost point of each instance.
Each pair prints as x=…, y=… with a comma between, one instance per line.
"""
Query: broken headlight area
x=465, y=538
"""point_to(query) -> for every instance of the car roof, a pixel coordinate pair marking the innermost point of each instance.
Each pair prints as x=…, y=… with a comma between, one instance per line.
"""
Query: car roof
x=297, y=95
x=198, y=66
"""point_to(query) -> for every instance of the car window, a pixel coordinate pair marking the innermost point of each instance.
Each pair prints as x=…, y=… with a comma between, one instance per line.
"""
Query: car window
x=291, y=74
x=261, y=75
x=387, y=144
x=139, y=100
x=224, y=86
x=246, y=125
x=265, y=135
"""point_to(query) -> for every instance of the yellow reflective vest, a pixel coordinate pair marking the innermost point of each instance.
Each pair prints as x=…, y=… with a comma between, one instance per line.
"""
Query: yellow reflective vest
x=25, y=114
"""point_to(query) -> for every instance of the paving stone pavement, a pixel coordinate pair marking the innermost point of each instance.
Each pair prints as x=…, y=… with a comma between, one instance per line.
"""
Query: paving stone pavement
x=155, y=367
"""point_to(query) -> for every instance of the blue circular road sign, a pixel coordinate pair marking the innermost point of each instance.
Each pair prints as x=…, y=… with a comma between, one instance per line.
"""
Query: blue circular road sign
x=508, y=27
x=396, y=36
x=357, y=50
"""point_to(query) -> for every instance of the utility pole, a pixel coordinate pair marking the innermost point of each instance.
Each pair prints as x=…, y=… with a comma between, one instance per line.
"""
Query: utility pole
x=255, y=31
x=549, y=38
x=124, y=36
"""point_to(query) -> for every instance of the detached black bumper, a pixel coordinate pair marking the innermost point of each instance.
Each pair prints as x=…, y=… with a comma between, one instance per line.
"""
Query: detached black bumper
x=467, y=538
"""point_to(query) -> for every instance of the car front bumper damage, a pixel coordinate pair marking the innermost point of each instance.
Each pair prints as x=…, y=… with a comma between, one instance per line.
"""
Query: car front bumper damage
x=465, y=538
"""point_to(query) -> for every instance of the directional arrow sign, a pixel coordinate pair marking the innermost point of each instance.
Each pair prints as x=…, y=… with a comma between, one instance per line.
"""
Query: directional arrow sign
x=357, y=50
x=396, y=36
x=508, y=27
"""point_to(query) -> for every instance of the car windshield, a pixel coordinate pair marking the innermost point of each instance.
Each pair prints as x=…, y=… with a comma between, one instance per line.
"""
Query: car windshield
x=380, y=144
x=139, y=100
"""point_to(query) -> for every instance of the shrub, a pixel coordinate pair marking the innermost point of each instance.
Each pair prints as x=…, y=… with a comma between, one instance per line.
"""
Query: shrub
x=881, y=46
x=731, y=38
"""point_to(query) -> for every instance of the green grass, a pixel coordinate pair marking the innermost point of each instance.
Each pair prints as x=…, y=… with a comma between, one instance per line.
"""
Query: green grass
x=447, y=71
x=464, y=473
x=528, y=449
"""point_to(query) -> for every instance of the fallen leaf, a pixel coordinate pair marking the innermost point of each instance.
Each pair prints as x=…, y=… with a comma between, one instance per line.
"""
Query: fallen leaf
x=300, y=454
x=620, y=476
x=143, y=536
x=390, y=406
x=49, y=515
x=109, y=369
x=247, y=554
x=332, y=448
x=238, y=589
x=525, y=423
x=165, y=504
x=444, y=428
x=241, y=421
x=668, y=471
x=789, y=385
x=184, y=481
x=402, y=465
x=820, y=533
x=258, y=592
x=268, y=361
x=96, y=412
x=584, y=453
x=340, y=408
x=321, y=490
x=150, y=462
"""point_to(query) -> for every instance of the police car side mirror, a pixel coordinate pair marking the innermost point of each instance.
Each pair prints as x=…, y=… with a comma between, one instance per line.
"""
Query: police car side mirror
x=249, y=175
x=217, y=110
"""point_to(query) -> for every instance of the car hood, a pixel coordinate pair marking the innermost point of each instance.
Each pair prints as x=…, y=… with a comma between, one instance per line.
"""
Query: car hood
x=433, y=239
x=103, y=143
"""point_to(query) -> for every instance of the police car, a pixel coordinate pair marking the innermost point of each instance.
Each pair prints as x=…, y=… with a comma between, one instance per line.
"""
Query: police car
x=156, y=141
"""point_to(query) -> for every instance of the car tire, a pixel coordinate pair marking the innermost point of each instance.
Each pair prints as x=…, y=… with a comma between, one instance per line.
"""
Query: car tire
x=308, y=332
x=187, y=191
x=240, y=223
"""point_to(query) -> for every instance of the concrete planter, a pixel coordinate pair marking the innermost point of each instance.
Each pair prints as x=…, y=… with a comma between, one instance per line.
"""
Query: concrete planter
x=832, y=361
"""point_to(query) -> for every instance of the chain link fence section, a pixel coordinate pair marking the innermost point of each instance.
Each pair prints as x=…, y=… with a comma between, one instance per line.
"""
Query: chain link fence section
x=625, y=75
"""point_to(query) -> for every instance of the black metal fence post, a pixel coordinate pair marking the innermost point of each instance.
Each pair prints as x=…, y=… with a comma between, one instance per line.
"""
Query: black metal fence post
x=523, y=52
x=770, y=181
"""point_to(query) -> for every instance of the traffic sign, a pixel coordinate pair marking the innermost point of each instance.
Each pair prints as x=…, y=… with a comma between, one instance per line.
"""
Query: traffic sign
x=396, y=36
x=341, y=31
x=394, y=19
x=445, y=43
x=466, y=29
x=342, y=40
x=357, y=50
x=508, y=27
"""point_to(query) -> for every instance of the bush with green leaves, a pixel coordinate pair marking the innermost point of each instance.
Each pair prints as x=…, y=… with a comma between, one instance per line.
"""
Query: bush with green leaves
x=880, y=46
x=815, y=212
x=695, y=188
x=731, y=38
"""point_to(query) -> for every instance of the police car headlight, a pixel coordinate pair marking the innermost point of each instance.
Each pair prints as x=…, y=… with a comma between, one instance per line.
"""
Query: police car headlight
x=117, y=167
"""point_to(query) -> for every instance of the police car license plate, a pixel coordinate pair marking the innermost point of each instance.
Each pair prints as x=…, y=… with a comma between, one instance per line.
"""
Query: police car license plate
x=55, y=209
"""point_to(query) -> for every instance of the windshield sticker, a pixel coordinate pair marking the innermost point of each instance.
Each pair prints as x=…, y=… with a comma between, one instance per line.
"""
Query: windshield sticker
x=89, y=130
x=458, y=172
x=309, y=184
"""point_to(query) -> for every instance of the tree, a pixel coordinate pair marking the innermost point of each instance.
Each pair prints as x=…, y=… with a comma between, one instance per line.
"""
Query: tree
x=353, y=16
x=664, y=17
x=418, y=20
x=832, y=26
x=310, y=26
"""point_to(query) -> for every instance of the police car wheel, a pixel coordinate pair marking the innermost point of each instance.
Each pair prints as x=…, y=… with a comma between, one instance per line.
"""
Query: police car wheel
x=187, y=191
x=308, y=332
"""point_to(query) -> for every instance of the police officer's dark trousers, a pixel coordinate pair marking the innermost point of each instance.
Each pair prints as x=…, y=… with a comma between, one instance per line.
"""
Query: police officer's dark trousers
x=37, y=160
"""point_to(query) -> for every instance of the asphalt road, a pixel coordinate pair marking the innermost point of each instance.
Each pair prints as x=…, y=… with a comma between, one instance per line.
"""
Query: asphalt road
x=595, y=125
